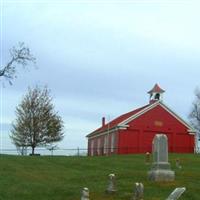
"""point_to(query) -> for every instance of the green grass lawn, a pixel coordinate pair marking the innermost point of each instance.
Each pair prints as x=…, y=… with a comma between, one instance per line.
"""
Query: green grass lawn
x=62, y=178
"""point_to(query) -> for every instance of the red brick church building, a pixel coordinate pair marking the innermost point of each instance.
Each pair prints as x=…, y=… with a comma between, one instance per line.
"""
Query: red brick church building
x=133, y=132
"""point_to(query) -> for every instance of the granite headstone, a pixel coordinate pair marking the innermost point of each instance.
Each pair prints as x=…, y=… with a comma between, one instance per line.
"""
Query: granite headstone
x=160, y=170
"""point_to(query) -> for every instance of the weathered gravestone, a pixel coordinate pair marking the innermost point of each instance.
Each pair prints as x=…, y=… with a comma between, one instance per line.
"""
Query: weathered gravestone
x=111, y=184
x=176, y=193
x=138, y=192
x=178, y=163
x=160, y=170
x=85, y=194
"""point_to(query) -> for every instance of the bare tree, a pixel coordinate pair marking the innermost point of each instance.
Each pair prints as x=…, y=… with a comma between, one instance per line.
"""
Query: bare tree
x=194, y=115
x=20, y=55
x=37, y=123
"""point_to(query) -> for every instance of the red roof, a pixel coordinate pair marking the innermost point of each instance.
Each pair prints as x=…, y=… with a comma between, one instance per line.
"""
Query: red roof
x=156, y=88
x=117, y=120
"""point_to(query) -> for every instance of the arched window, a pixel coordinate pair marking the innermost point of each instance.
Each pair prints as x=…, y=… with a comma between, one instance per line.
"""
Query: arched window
x=157, y=96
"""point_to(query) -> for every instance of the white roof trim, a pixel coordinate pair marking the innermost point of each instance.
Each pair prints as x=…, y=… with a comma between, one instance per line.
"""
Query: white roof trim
x=190, y=129
x=125, y=122
x=105, y=132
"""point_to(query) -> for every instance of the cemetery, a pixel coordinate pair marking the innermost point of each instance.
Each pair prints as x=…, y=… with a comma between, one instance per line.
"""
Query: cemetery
x=152, y=158
x=82, y=116
x=117, y=177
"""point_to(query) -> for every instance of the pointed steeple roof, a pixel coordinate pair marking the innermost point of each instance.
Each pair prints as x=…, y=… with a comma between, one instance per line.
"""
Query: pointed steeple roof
x=156, y=89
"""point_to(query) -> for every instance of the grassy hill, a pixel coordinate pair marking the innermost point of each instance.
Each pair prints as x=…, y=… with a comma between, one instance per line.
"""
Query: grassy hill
x=62, y=178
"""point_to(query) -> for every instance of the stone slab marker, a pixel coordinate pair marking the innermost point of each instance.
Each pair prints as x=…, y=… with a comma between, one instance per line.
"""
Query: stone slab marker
x=176, y=193
x=111, y=184
x=85, y=194
x=138, y=192
x=178, y=163
x=160, y=170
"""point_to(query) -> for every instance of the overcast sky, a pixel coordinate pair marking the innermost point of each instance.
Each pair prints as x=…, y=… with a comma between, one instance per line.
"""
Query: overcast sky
x=99, y=58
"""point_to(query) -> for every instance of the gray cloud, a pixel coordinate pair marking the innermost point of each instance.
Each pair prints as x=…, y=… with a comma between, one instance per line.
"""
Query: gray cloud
x=101, y=59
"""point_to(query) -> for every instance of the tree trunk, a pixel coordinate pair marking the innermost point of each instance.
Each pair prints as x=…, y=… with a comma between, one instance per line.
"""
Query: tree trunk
x=33, y=150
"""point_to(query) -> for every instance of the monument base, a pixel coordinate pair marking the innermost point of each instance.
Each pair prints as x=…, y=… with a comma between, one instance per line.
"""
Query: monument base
x=160, y=165
x=161, y=175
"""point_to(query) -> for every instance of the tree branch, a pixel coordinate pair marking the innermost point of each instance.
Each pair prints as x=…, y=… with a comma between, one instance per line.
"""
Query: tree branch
x=20, y=55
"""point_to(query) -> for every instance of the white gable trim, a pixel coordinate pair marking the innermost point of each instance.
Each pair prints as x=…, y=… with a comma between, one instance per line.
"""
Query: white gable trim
x=190, y=130
x=125, y=122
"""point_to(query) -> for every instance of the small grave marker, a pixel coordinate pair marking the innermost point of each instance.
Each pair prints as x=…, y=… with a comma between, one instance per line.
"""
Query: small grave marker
x=138, y=192
x=176, y=193
x=111, y=184
x=85, y=194
x=178, y=163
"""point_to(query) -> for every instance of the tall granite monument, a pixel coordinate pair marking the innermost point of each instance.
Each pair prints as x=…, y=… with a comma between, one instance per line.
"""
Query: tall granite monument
x=160, y=169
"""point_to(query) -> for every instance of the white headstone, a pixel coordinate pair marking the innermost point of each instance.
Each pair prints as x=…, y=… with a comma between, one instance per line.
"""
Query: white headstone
x=111, y=184
x=85, y=194
x=138, y=192
x=176, y=193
